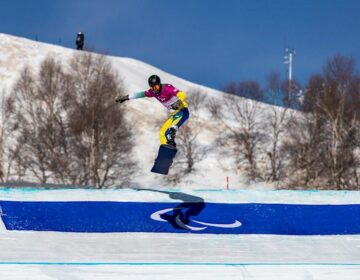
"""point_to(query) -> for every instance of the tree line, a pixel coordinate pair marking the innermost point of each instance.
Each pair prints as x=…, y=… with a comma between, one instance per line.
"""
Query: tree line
x=316, y=146
x=60, y=124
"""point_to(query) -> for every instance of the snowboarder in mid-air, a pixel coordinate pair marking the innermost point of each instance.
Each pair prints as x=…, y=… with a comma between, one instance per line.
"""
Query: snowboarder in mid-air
x=174, y=100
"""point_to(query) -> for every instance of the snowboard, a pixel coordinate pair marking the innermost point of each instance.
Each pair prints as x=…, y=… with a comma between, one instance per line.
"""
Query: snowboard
x=164, y=159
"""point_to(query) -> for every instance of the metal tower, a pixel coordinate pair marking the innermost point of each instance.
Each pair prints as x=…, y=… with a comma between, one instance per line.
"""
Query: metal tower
x=288, y=59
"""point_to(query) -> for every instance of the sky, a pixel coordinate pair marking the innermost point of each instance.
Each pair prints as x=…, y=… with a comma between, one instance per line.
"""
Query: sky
x=208, y=42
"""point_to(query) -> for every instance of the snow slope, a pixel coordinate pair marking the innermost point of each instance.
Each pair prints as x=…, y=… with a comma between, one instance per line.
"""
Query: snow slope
x=146, y=115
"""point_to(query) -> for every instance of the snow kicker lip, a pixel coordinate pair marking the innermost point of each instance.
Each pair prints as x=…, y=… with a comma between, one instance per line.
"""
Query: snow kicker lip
x=157, y=217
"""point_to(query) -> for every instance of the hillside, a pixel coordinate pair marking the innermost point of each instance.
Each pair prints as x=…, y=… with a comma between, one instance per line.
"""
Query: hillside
x=146, y=115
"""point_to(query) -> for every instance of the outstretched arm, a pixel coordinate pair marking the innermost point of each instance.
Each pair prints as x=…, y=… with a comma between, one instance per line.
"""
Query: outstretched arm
x=135, y=95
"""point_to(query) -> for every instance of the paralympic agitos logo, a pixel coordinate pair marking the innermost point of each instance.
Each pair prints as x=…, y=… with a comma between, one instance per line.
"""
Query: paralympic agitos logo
x=179, y=218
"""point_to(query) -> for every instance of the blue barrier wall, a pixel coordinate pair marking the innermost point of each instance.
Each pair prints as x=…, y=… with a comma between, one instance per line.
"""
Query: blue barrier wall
x=194, y=217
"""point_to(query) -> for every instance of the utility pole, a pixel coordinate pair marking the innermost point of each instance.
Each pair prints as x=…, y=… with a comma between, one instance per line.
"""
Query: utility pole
x=288, y=59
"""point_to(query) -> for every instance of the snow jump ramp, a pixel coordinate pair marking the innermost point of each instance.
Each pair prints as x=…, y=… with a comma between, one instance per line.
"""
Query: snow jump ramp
x=209, y=234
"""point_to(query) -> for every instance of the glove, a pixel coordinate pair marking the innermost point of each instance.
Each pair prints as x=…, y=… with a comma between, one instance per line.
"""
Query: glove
x=122, y=98
x=176, y=105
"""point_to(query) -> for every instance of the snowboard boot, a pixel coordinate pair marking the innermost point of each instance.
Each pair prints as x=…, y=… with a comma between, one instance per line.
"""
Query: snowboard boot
x=171, y=137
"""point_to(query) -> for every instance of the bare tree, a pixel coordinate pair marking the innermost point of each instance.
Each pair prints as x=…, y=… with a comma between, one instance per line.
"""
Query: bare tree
x=304, y=149
x=6, y=160
x=333, y=99
x=100, y=137
x=187, y=138
x=38, y=121
x=67, y=126
x=2, y=140
x=241, y=133
x=190, y=151
x=276, y=124
x=332, y=102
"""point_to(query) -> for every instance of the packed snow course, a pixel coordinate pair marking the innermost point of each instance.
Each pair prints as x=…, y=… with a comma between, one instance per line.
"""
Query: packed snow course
x=156, y=233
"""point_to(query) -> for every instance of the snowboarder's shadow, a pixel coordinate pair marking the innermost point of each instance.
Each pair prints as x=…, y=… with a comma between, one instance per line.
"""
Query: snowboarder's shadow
x=180, y=216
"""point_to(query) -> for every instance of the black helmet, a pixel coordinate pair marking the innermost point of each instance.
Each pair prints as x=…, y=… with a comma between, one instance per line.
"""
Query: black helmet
x=154, y=80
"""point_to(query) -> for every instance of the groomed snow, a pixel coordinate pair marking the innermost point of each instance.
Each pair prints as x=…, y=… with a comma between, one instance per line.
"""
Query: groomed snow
x=48, y=255
x=73, y=256
x=163, y=195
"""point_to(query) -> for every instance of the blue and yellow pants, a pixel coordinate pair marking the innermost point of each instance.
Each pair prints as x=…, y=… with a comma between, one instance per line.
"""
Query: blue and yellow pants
x=176, y=120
